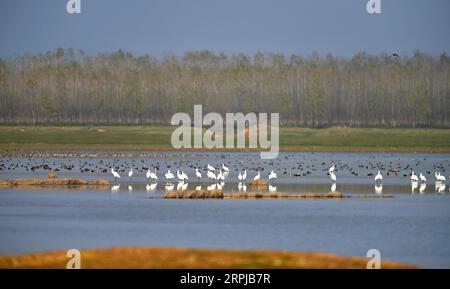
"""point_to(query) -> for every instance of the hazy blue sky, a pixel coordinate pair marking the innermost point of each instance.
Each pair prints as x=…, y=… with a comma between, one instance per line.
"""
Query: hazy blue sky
x=341, y=27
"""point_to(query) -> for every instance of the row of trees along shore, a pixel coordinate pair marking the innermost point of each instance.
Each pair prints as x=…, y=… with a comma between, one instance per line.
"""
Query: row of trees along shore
x=68, y=86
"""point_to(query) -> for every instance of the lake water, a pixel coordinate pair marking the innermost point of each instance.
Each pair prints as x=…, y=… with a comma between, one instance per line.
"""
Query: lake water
x=411, y=227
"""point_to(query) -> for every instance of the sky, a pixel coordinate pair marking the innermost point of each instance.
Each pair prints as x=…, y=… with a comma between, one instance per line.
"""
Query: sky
x=156, y=27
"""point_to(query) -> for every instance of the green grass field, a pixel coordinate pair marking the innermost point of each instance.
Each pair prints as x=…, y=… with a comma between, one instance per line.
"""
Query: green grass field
x=158, y=137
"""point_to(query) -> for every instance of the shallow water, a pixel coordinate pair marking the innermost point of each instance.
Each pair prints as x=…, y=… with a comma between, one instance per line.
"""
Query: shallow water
x=412, y=227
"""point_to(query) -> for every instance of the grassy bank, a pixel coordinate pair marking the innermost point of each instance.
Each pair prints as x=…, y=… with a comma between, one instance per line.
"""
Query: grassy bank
x=189, y=258
x=158, y=138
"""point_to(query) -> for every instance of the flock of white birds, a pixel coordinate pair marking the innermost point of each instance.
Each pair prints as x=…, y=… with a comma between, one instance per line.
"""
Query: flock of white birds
x=217, y=178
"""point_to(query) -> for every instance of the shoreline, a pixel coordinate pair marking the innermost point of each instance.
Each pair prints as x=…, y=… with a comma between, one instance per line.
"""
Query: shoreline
x=189, y=258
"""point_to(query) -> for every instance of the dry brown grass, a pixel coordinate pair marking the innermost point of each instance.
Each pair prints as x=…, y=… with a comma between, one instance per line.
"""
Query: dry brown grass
x=194, y=194
x=190, y=258
x=258, y=184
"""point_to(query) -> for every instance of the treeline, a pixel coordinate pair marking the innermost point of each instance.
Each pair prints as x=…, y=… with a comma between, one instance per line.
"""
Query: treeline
x=68, y=86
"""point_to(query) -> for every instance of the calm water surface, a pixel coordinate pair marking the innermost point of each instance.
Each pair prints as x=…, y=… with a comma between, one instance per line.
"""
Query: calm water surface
x=412, y=227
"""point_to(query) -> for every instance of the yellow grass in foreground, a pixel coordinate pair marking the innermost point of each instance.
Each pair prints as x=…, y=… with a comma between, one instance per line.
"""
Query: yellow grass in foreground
x=189, y=258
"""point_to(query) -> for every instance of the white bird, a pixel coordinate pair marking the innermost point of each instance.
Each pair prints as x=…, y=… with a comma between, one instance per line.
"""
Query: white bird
x=151, y=175
x=422, y=178
x=169, y=176
x=210, y=168
x=439, y=178
x=257, y=177
x=115, y=174
x=331, y=169
x=220, y=176
x=211, y=175
x=225, y=168
x=180, y=176
x=198, y=174
x=244, y=175
x=333, y=177
x=198, y=188
x=378, y=177
x=272, y=189
x=185, y=176
x=272, y=176
x=414, y=178
x=130, y=174
x=240, y=177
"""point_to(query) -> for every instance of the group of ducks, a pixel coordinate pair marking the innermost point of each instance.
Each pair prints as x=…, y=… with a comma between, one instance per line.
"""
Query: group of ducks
x=379, y=177
x=222, y=174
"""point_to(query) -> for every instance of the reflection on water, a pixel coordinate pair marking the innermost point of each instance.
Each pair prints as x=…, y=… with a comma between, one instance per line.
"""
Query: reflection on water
x=349, y=189
x=422, y=188
x=378, y=189
x=440, y=187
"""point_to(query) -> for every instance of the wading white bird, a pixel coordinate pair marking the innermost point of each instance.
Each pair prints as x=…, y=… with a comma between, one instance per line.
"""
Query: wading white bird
x=180, y=176
x=257, y=177
x=422, y=178
x=244, y=175
x=115, y=174
x=225, y=168
x=272, y=176
x=130, y=174
x=378, y=177
x=211, y=175
x=331, y=169
x=210, y=168
x=148, y=174
x=169, y=176
x=198, y=174
x=414, y=178
x=220, y=176
x=185, y=176
x=333, y=177
x=240, y=177
x=439, y=177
